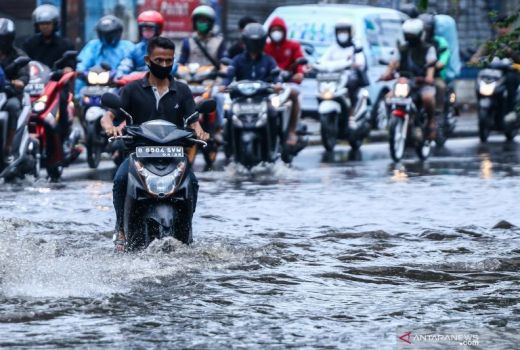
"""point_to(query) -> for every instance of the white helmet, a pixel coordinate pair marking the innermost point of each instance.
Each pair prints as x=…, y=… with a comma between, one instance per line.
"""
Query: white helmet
x=345, y=23
x=413, y=26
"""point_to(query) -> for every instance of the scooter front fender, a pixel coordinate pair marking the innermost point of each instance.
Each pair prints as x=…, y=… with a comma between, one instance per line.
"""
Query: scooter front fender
x=329, y=107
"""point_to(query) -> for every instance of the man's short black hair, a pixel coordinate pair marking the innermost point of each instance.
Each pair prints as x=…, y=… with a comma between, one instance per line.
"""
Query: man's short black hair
x=244, y=21
x=160, y=41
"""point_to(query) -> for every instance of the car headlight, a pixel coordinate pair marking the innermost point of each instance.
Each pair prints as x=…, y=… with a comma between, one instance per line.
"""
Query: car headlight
x=161, y=185
x=401, y=90
x=487, y=89
x=39, y=106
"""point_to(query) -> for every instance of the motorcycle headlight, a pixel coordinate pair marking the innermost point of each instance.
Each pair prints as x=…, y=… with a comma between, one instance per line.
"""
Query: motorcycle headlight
x=327, y=90
x=487, y=89
x=275, y=101
x=401, y=90
x=101, y=78
x=39, y=106
x=92, y=78
x=161, y=185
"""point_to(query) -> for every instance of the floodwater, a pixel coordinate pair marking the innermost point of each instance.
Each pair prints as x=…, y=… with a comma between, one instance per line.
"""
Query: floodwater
x=331, y=253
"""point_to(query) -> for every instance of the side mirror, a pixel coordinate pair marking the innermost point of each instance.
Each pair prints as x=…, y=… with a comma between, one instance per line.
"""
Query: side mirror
x=301, y=61
x=106, y=66
x=226, y=61
x=70, y=54
x=17, y=64
x=111, y=100
x=206, y=106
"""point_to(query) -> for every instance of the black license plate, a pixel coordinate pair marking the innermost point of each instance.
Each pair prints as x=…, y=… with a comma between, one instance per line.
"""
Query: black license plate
x=159, y=152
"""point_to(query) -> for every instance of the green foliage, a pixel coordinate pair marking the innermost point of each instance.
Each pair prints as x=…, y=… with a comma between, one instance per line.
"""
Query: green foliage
x=509, y=44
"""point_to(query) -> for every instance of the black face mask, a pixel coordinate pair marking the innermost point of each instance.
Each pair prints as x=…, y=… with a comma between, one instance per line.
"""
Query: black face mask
x=160, y=72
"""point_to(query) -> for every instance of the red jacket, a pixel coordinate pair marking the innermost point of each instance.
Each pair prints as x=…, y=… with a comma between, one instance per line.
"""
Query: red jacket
x=285, y=52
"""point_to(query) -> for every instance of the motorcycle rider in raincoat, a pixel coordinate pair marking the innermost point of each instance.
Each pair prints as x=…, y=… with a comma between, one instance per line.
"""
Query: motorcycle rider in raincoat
x=108, y=48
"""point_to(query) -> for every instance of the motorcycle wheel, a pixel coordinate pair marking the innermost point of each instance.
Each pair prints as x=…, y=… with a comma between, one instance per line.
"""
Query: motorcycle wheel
x=396, y=138
x=329, y=132
x=511, y=133
x=483, y=132
x=379, y=115
x=93, y=148
x=54, y=173
x=441, y=133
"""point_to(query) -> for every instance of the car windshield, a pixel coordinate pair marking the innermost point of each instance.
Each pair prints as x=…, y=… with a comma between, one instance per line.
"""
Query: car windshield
x=382, y=35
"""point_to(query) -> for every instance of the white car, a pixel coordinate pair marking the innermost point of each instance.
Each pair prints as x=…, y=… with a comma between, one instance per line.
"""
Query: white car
x=377, y=30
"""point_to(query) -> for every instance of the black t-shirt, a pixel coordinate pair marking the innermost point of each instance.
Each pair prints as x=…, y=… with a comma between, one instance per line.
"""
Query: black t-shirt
x=139, y=100
x=47, y=53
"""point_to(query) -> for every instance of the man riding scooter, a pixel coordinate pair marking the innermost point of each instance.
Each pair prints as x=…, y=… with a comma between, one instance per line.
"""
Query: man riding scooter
x=286, y=52
x=46, y=46
x=418, y=58
x=156, y=96
x=108, y=48
x=9, y=53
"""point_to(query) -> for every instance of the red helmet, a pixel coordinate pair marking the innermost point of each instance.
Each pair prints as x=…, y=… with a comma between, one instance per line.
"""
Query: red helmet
x=151, y=19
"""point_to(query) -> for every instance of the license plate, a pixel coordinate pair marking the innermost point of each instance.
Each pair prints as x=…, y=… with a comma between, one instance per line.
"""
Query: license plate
x=34, y=88
x=400, y=100
x=159, y=152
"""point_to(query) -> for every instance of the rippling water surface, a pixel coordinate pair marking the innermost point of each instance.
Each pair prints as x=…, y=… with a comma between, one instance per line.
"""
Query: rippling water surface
x=326, y=254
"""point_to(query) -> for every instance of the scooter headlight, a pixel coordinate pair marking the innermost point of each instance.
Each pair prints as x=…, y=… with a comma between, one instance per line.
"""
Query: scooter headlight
x=161, y=185
x=101, y=78
x=39, y=106
x=487, y=89
x=401, y=90
x=327, y=90
x=275, y=101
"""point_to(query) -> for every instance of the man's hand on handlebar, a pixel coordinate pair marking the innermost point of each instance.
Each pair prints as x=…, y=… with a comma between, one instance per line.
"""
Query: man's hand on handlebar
x=115, y=130
x=199, y=132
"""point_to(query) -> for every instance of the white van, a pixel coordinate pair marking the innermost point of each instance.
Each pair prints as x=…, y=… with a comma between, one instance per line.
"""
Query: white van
x=377, y=30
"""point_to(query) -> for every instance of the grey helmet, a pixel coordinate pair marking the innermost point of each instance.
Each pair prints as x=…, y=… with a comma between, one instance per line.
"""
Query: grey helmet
x=7, y=34
x=46, y=13
x=254, y=37
x=109, y=29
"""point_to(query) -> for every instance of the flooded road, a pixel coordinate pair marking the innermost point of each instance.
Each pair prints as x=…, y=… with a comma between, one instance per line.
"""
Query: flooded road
x=340, y=251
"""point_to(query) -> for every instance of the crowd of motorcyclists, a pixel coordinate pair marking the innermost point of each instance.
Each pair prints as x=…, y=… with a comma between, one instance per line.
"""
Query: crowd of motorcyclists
x=259, y=55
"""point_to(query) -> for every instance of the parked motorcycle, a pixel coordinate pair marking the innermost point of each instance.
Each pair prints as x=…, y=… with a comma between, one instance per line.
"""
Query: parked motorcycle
x=51, y=120
x=492, y=100
x=99, y=79
x=335, y=106
x=201, y=80
x=408, y=120
x=256, y=127
x=160, y=197
x=25, y=148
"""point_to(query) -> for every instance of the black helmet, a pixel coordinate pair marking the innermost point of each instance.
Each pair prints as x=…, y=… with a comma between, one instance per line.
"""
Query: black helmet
x=7, y=34
x=254, y=37
x=46, y=13
x=109, y=30
x=410, y=10
x=429, y=25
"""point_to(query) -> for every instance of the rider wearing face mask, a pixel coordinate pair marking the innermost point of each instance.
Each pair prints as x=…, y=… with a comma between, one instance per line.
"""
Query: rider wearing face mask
x=344, y=50
x=150, y=24
x=205, y=48
x=108, y=48
x=157, y=96
x=286, y=52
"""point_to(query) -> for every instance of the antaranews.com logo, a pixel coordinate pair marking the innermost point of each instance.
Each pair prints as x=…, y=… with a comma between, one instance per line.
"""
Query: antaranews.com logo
x=426, y=339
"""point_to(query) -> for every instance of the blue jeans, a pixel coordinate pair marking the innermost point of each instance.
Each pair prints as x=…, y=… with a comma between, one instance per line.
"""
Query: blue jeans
x=119, y=191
